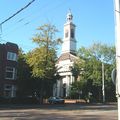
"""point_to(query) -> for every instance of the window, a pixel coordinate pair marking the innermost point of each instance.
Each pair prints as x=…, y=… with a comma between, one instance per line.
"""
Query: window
x=9, y=90
x=66, y=33
x=11, y=56
x=7, y=87
x=10, y=73
x=72, y=33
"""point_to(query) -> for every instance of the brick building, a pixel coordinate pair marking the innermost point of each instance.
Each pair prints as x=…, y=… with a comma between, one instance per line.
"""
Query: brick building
x=8, y=69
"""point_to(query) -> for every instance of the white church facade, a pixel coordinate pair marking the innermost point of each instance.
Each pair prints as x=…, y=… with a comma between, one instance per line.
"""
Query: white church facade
x=66, y=60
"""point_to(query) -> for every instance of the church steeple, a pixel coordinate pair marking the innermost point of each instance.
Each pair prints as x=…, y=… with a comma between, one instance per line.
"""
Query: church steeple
x=69, y=41
x=69, y=16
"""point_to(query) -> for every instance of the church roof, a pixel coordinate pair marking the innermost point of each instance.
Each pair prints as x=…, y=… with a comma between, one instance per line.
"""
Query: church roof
x=67, y=56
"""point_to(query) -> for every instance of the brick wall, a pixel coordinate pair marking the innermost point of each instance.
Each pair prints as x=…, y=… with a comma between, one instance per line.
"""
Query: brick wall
x=4, y=62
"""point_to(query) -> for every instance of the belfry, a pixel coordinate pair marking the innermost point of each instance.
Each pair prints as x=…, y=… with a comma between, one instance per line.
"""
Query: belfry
x=69, y=41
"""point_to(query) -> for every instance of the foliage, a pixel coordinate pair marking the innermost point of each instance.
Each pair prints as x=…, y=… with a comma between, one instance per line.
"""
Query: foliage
x=42, y=63
x=90, y=71
x=43, y=58
x=99, y=51
x=77, y=69
x=24, y=79
x=76, y=89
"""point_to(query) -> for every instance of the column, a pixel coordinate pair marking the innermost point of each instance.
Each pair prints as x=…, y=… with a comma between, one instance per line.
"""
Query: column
x=67, y=85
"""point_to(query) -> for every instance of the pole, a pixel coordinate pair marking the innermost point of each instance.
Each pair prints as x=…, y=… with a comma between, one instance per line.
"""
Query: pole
x=117, y=28
x=103, y=83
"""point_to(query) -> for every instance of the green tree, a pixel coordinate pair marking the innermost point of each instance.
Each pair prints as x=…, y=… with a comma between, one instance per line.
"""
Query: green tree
x=76, y=89
x=99, y=51
x=91, y=73
x=43, y=58
x=24, y=79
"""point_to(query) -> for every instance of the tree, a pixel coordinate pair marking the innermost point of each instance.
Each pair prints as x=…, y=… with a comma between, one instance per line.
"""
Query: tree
x=99, y=51
x=24, y=79
x=77, y=68
x=93, y=58
x=76, y=89
x=43, y=58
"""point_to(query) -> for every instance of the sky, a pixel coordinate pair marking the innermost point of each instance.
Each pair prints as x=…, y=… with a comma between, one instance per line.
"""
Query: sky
x=94, y=20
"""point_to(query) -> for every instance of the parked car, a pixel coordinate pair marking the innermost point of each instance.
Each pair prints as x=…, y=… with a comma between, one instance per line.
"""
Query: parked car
x=55, y=100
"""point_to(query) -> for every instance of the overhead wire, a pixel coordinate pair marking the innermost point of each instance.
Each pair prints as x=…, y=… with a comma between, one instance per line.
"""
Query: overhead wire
x=14, y=16
x=34, y=19
x=30, y=21
x=21, y=20
x=17, y=12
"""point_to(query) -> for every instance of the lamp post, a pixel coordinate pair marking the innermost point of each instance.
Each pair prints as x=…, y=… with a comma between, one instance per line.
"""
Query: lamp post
x=117, y=28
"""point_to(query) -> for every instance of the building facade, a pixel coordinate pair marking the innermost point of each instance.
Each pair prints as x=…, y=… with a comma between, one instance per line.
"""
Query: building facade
x=8, y=69
x=66, y=59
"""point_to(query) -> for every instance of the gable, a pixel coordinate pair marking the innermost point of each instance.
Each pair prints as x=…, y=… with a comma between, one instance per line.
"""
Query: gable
x=67, y=56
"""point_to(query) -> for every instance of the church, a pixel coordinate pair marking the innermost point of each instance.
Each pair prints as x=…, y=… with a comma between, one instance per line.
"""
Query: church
x=66, y=60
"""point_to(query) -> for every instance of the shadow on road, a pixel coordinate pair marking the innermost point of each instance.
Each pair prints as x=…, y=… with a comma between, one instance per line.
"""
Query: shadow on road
x=111, y=106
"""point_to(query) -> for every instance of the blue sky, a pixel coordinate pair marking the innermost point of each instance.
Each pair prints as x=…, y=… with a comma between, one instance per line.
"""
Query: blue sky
x=94, y=20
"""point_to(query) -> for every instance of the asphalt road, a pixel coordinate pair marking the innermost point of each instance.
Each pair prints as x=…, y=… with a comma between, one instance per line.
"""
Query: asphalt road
x=59, y=112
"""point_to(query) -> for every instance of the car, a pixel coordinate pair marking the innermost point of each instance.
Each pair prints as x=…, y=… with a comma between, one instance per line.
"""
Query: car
x=56, y=100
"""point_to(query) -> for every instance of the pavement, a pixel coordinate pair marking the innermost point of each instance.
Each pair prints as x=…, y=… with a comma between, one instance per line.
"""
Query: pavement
x=59, y=112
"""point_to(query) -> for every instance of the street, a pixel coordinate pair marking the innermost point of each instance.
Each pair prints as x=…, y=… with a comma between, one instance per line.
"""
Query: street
x=59, y=112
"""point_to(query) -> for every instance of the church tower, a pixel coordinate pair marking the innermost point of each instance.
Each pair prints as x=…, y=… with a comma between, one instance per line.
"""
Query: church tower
x=69, y=41
x=66, y=60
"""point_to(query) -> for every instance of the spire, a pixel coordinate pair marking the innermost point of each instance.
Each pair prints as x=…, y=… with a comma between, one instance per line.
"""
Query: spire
x=69, y=16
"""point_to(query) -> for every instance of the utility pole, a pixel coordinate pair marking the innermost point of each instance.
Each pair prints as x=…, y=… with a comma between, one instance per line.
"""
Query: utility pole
x=103, y=83
x=0, y=32
x=117, y=28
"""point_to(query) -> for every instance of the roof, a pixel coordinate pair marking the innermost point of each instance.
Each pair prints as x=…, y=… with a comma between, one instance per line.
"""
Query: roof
x=67, y=56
